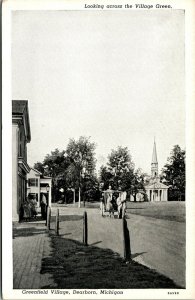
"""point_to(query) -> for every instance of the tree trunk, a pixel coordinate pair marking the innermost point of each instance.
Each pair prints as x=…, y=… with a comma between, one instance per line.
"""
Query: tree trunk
x=79, y=197
x=74, y=196
x=134, y=196
x=65, y=198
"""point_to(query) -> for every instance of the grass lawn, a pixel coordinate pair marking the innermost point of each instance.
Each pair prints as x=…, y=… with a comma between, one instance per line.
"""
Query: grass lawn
x=74, y=265
x=172, y=211
x=92, y=204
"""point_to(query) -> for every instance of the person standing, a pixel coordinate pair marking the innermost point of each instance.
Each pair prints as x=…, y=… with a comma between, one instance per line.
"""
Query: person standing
x=43, y=210
x=123, y=201
x=21, y=213
x=119, y=206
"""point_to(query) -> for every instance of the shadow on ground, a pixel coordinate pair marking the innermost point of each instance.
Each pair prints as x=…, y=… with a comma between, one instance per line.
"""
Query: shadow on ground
x=74, y=265
x=137, y=254
x=67, y=218
x=27, y=231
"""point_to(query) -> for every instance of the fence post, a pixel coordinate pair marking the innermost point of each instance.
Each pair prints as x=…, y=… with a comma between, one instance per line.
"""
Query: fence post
x=48, y=217
x=126, y=240
x=57, y=222
x=85, y=229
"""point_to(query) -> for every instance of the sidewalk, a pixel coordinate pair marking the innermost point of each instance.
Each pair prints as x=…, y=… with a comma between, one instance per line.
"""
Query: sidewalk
x=30, y=244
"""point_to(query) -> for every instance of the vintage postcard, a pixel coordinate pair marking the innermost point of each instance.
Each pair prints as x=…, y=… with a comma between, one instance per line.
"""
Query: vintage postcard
x=98, y=150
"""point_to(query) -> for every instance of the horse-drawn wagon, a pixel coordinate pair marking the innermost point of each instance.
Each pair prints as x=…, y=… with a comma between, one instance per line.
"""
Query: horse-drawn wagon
x=113, y=201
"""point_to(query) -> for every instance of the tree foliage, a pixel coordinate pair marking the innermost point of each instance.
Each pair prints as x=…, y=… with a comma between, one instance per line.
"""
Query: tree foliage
x=137, y=183
x=119, y=170
x=120, y=173
x=55, y=165
x=173, y=174
x=82, y=154
x=69, y=167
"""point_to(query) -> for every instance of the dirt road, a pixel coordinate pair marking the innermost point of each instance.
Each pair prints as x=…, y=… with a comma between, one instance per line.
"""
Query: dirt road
x=156, y=243
x=159, y=244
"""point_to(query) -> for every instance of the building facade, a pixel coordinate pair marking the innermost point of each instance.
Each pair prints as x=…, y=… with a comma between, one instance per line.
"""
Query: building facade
x=156, y=190
x=20, y=137
x=39, y=187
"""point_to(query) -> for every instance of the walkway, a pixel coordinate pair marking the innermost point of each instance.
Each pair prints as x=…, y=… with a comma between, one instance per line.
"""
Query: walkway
x=30, y=244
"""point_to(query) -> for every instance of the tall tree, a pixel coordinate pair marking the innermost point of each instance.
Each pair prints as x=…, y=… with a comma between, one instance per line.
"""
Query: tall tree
x=137, y=183
x=39, y=167
x=119, y=170
x=90, y=188
x=105, y=177
x=173, y=174
x=55, y=165
x=81, y=154
x=120, y=165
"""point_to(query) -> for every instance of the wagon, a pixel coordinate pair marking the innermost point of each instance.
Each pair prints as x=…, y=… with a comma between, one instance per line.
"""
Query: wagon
x=111, y=196
x=108, y=196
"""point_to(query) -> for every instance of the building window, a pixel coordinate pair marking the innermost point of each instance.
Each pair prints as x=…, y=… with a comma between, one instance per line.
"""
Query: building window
x=32, y=182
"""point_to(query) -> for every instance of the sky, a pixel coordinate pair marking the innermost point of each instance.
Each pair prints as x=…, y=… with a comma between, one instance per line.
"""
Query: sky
x=116, y=76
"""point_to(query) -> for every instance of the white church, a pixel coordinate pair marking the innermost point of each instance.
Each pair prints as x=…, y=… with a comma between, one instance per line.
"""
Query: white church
x=155, y=190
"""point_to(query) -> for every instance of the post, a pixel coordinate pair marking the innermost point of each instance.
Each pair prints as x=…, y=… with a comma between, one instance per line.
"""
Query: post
x=48, y=217
x=85, y=229
x=126, y=240
x=57, y=222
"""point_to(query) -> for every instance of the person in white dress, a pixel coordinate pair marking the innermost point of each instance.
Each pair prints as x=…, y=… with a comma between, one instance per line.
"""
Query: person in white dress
x=121, y=203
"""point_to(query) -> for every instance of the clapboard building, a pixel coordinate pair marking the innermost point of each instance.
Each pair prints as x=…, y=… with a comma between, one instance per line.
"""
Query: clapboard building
x=21, y=135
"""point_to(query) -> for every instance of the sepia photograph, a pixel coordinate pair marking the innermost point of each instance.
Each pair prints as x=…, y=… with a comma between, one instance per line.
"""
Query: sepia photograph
x=98, y=151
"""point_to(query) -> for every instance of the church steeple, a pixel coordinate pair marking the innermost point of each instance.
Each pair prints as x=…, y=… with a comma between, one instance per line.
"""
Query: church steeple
x=154, y=164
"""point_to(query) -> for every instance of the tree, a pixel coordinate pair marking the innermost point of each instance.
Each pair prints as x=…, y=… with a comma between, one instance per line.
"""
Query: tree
x=119, y=169
x=69, y=167
x=81, y=154
x=137, y=183
x=120, y=165
x=173, y=174
x=90, y=188
x=39, y=167
x=55, y=165
x=105, y=177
